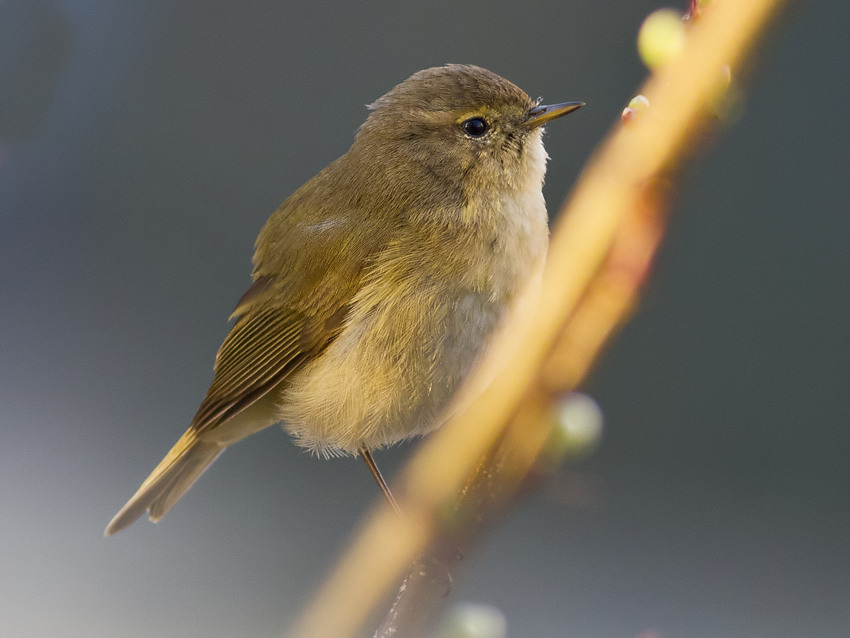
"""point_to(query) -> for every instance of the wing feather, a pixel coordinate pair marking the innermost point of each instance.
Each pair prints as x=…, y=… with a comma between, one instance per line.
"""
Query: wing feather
x=266, y=344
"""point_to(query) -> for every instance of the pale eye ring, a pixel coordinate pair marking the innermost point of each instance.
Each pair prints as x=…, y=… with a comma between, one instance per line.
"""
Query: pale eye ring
x=475, y=126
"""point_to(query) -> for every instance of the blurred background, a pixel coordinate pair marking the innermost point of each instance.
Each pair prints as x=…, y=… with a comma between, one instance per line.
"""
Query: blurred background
x=142, y=146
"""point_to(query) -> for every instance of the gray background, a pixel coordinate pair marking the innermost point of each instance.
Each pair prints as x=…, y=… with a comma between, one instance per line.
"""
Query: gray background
x=142, y=146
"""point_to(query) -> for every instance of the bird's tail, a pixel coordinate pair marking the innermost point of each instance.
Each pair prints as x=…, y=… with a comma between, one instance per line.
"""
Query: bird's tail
x=170, y=480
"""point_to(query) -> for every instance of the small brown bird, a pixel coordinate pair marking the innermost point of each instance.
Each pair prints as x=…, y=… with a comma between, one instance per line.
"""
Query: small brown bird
x=378, y=283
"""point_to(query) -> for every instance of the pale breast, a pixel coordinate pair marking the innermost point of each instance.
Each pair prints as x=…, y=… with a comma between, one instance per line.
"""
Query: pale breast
x=517, y=213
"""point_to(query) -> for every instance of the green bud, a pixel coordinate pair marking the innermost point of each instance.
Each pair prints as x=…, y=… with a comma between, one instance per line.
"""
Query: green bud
x=661, y=37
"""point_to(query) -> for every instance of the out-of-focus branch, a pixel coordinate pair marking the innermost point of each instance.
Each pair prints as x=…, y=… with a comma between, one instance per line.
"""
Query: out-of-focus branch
x=466, y=473
x=497, y=480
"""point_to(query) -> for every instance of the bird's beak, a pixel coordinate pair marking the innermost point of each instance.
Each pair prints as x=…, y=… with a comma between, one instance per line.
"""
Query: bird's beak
x=539, y=115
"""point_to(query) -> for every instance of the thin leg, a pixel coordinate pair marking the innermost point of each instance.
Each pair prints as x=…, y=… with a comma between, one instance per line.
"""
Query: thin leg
x=376, y=474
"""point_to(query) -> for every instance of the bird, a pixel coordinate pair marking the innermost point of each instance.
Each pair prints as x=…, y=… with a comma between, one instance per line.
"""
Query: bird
x=378, y=284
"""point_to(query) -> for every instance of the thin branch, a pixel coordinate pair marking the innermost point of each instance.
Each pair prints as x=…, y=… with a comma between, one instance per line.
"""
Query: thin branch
x=499, y=478
x=502, y=432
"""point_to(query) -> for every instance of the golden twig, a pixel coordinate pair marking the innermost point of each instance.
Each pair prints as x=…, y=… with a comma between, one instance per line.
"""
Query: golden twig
x=595, y=264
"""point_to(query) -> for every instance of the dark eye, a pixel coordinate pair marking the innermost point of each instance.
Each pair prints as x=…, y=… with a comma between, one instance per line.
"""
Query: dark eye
x=475, y=126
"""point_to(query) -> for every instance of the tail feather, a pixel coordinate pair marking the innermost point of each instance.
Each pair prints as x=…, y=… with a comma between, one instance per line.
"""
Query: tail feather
x=191, y=468
x=180, y=468
x=188, y=459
